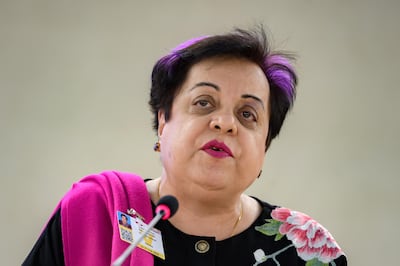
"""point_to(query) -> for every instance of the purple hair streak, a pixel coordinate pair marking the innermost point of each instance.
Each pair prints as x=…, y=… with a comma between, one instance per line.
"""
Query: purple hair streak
x=280, y=73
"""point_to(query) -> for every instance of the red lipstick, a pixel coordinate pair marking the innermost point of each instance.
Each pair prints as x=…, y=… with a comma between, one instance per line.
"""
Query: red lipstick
x=217, y=149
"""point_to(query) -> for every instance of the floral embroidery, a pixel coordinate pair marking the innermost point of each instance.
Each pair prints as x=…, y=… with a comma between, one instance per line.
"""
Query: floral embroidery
x=314, y=244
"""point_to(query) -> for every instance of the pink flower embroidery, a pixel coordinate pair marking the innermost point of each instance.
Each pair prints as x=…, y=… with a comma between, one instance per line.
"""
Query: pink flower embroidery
x=309, y=237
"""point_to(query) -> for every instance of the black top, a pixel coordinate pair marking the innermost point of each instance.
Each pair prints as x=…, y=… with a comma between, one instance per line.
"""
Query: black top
x=48, y=249
x=251, y=247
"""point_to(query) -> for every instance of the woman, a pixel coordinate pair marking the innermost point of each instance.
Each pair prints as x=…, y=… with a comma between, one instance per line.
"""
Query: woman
x=218, y=101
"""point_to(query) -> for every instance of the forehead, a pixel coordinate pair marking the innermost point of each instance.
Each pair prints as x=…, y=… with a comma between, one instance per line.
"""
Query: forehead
x=228, y=72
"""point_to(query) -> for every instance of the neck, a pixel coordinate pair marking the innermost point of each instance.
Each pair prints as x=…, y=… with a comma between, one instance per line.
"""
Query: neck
x=205, y=215
x=220, y=224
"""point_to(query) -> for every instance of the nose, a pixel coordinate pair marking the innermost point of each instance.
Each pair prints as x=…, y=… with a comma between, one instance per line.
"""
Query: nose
x=224, y=123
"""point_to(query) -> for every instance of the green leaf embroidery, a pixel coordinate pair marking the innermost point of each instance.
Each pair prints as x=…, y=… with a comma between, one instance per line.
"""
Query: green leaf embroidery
x=316, y=262
x=278, y=236
x=270, y=228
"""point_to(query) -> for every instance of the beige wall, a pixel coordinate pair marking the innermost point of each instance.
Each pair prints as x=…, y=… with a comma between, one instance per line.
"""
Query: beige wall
x=74, y=78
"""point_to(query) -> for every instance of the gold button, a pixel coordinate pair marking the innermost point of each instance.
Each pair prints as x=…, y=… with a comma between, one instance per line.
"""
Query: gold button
x=202, y=246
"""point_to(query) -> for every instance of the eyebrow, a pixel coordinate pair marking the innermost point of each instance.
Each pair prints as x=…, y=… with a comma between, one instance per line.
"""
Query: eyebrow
x=246, y=96
x=216, y=87
x=208, y=84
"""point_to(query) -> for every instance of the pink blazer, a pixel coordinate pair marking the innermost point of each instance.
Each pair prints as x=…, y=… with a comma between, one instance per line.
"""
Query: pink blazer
x=89, y=225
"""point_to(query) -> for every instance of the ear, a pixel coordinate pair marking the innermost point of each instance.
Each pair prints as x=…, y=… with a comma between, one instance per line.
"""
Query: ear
x=161, y=122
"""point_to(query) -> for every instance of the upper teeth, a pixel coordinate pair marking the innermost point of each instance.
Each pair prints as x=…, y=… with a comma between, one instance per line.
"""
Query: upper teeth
x=215, y=148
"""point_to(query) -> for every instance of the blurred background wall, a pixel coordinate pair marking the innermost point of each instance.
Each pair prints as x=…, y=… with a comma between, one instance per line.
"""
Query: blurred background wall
x=74, y=82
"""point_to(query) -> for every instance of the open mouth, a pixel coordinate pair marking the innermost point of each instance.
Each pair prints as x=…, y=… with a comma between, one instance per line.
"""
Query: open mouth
x=217, y=149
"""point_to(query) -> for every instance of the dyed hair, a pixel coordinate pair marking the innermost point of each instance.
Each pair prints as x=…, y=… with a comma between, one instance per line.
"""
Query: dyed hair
x=170, y=72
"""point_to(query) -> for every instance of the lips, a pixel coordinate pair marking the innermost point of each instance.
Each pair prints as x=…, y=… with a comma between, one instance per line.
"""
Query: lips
x=217, y=149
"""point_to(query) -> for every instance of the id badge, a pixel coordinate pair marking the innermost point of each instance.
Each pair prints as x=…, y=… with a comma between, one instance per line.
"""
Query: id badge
x=131, y=228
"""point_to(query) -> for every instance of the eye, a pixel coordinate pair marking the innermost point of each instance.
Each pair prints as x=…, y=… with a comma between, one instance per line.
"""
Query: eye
x=246, y=114
x=202, y=103
x=249, y=115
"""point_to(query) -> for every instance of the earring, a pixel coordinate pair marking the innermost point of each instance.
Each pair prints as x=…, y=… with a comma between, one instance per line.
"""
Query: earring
x=259, y=174
x=157, y=147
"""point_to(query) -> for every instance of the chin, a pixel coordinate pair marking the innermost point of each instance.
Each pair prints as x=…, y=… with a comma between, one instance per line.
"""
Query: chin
x=214, y=181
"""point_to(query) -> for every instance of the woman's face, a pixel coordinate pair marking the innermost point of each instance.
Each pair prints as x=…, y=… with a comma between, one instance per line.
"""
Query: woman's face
x=215, y=137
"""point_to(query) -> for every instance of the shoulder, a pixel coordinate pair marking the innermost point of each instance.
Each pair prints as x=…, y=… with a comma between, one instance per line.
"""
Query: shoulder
x=105, y=180
x=312, y=241
x=108, y=178
x=101, y=187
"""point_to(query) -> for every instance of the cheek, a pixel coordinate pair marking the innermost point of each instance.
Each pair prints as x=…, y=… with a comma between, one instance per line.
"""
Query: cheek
x=177, y=139
x=255, y=149
x=260, y=154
